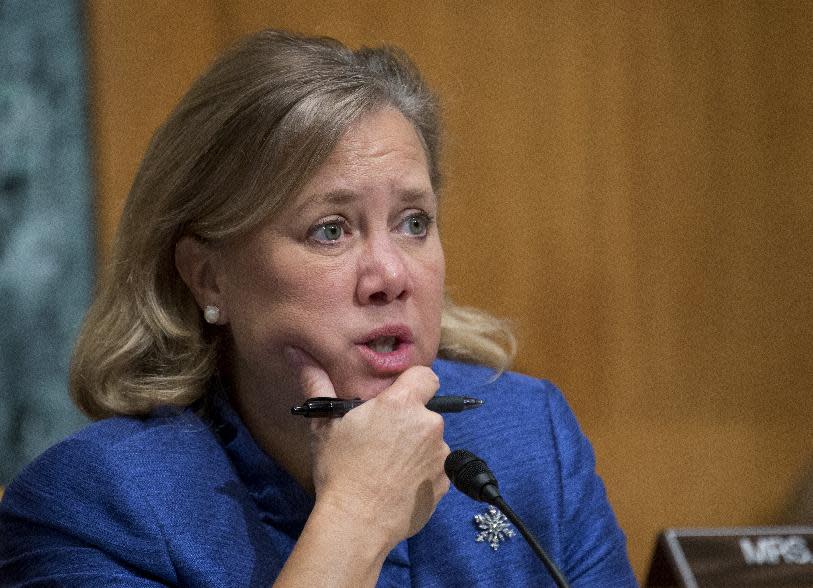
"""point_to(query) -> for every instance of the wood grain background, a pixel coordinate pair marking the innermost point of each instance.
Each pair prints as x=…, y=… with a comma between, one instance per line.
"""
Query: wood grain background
x=630, y=184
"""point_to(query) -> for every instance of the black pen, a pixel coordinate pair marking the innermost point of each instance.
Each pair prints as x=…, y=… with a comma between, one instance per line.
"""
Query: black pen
x=328, y=408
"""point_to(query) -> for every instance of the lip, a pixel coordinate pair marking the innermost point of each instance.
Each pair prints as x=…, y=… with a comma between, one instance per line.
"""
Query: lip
x=401, y=332
x=392, y=362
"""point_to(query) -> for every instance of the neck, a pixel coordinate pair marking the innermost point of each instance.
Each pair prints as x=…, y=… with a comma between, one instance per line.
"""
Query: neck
x=289, y=449
x=281, y=435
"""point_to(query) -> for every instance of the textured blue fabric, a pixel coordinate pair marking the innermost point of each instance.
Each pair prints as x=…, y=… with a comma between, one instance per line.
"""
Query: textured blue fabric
x=180, y=500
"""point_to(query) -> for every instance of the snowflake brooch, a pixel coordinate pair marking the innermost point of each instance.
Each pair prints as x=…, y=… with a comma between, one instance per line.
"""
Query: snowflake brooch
x=494, y=527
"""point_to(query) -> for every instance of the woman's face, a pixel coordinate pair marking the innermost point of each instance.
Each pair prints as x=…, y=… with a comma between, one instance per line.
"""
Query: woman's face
x=351, y=271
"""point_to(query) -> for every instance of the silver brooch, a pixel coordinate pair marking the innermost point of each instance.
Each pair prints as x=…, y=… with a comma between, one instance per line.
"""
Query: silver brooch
x=494, y=527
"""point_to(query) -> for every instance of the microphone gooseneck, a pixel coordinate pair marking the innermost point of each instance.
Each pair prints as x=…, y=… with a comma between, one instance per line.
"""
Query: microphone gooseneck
x=470, y=474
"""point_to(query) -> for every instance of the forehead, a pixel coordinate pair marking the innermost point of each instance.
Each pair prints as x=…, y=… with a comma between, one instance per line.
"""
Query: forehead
x=376, y=133
x=380, y=142
x=381, y=148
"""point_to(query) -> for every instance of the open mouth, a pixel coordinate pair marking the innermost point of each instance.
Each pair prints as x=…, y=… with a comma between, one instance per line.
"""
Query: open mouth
x=389, y=349
x=383, y=344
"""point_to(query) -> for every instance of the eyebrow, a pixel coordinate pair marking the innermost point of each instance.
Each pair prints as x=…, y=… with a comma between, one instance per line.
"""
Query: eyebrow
x=339, y=197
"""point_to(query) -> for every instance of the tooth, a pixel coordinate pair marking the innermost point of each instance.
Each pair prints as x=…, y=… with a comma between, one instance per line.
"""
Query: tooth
x=382, y=344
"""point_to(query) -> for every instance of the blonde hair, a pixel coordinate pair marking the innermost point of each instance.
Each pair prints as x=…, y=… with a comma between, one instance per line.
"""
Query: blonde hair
x=239, y=145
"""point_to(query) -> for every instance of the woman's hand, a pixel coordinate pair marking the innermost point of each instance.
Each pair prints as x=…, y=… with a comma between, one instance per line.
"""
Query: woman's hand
x=377, y=473
x=382, y=463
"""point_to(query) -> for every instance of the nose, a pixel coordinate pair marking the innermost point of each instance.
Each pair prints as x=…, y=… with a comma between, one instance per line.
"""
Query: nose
x=383, y=275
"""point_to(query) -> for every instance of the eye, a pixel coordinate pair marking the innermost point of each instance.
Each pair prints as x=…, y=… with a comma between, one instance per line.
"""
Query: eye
x=327, y=232
x=417, y=224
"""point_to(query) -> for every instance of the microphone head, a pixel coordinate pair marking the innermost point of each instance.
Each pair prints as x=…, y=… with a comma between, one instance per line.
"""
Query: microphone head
x=471, y=476
x=456, y=461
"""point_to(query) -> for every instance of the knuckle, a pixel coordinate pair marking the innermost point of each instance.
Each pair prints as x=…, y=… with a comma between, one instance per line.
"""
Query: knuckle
x=424, y=375
x=436, y=424
x=395, y=398
x=445, y=450
x=430, y=377
x=430, y=426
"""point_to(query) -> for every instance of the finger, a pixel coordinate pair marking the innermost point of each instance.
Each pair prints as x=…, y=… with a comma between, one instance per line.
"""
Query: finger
x=418, y=382
x=312, y=378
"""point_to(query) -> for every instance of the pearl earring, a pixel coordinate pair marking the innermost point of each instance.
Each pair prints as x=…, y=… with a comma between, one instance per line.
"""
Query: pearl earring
x=211, y=314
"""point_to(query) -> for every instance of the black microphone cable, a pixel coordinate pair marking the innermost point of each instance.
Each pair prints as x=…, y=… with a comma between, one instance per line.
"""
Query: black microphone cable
x=471, y=476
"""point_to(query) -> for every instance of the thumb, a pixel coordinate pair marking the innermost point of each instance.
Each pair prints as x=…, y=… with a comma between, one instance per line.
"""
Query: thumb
x=312, y=378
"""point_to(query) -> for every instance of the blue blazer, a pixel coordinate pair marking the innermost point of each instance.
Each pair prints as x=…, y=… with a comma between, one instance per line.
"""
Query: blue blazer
x=184, y=499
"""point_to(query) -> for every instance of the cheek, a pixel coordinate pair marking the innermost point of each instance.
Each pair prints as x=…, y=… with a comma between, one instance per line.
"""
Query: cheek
x=276, y=304
x=433, y=276
x=432, y=282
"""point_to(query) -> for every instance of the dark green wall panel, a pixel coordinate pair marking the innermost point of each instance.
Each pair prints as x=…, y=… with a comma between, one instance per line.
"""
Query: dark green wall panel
x=46, y=234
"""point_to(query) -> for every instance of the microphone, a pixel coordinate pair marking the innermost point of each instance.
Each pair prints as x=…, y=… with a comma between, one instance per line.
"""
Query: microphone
x=470, y=474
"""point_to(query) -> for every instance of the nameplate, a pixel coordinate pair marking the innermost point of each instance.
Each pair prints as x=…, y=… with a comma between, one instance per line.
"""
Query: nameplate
x=736, y=556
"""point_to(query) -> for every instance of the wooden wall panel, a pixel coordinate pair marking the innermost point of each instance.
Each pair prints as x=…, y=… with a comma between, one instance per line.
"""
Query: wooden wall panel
x=143, y=56
x=630, y=184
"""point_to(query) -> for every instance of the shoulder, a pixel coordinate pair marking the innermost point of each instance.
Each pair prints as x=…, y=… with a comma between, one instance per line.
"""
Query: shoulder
x=509, y=396
x=115, y=487
x=524, y=426
x=455, y=374
x=452, y=369
x=531, y=440
x=135, y=463
x=121, y=459
x=128, y=446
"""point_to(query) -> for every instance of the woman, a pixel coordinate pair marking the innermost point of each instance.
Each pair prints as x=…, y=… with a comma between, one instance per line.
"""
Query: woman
x=279, y=243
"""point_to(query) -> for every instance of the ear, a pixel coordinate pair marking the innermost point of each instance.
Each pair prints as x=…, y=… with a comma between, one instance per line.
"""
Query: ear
x=197, y=264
